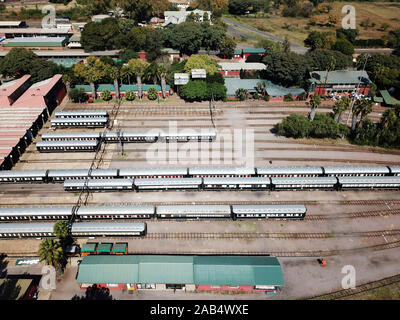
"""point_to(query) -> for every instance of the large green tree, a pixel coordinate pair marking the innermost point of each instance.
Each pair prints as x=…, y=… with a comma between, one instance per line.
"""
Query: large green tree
x=100, y=35
x=51, y=252
x=201, y=61
x=187, y=37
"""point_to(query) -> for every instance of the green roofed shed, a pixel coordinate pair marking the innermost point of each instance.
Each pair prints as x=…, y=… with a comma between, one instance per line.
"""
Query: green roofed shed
x=89, y=247
x=104, y=247
x=119, y=248
x=254, y=50
x=387, y=98
x=237, y=270
x=237, y=51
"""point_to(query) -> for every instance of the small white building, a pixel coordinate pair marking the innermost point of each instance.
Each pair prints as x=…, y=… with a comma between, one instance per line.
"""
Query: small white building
x=177, y=17
x=199, y=74
x=181, y=79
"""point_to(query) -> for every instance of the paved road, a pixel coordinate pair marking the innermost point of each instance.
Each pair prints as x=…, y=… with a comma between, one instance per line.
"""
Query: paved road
x=236, y=25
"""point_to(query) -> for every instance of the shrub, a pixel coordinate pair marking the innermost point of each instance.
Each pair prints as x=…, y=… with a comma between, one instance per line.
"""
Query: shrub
x=266, y=97
x=296, y=126
x=130, y=95
x=241, y=94
x=78, y=95
x=256, y=96
x=201, y=90
x=288, y=97
x=152, y=93
x=106, y=95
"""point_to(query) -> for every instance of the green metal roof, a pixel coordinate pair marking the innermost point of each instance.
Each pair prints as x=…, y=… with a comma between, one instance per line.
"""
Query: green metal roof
x=109, y=269
x=214, y=270
x=104, y=247
x=119, y=247
x=89, y=247
x=253, y=50
x=166, y=269
x=340, y=77
x=387, y=98
x=237, y=51
x=378, y=99
x=237, y=270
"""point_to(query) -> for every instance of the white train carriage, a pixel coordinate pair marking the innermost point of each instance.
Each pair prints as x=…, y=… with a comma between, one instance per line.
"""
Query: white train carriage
x=146, y=173
x=167, y=184
x=18, y=176
x=128, y=137
x=108, y=229
x=246, y=183
x=289, y=171
x=394, y=170
x=279, y=211
x=26, y=230
x=360, y=171
x=62, y=175
x=95, y=122
x=62, y=136
x=116, y=212
x=296, y=183
x=99, y=185
x=194, y=211
x=388, y=182
x=186, y=135
x=35, y=213
x=104, y=174
x=221, y=172
x=81, y=114
x=67, y=146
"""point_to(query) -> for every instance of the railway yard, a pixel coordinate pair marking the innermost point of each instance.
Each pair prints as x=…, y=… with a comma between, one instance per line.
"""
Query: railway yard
x=346, y=227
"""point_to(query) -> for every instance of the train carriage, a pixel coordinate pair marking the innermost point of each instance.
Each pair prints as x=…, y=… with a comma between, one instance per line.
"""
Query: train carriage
x=62, y=136
x=289, y=171
x=128, y=137
x=67, y=146
x=167, y=184
x=193, y=211
x=116, y=212
x=104, y=174
x=35, y=213
x=347, y=171
x=99, y=185
x=390, y=182
x=81, y=114
x=278, y=211
x=221, y=172
x=18, y=176
x=187, y=135
x=26, y=230
x=394, y=170
x=296, y=183
x=153, y=173
x=246, y=183
x=95, y=122
x=62, y=175
x=117, y=229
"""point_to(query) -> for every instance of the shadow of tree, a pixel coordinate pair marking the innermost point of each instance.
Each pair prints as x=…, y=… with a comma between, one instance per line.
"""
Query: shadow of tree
x=94, y=293
x=3, y=265
x=9, y=290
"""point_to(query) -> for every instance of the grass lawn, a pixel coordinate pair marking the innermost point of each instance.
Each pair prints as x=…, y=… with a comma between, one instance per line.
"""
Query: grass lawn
x=297, y=29
x=390, y=292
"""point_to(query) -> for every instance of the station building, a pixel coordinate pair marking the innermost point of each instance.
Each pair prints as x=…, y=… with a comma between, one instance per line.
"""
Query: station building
x=232, y=69
x=181, y=272
x=42, y=43
x=340, y=81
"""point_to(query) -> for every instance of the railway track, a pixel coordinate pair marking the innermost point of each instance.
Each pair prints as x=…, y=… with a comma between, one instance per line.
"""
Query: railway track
x=359, y=289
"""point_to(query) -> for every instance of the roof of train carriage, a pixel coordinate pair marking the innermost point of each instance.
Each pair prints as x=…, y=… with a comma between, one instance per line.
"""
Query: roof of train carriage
x=67, y=143
x=289, y=170
x=370, y=179
x=167, y=181
x=99, y=183
x=236, y=180
x=355, y=169
x=108, y=227
x=104, y=172
x=221, y=170
x=198, y=209
x=27, y=227
x=36, y=211
x=275, y=208
x=81, y=112
x=68, y=173
x=187, y=133
x=153, y=171
x=395, y=169
x=110, y=210
x=149, y=133
x=22, y=173
x=53, y=135
x=81, y=119
x=304, y=180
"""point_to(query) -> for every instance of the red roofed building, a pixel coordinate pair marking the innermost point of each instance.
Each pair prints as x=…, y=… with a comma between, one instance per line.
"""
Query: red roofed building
x=12, y=90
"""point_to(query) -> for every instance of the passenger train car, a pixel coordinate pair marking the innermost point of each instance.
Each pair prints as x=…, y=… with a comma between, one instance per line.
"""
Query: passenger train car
x=81, y=114
x=162, y=212
x=67, y=146
x=87, y=122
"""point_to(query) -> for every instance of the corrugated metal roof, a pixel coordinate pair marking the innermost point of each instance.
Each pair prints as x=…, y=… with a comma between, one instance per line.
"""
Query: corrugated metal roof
x=89, y=247
x=237, y=66
x=340, y=77
x=253, y=50
x=104, y=247
x=119, y=247
x=356, y=169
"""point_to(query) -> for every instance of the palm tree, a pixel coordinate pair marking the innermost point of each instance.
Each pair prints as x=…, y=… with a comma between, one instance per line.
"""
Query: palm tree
x=138, y=67
x=262, y=87
x=127, y=71
x=162, y=73
x=61, y=229
x=357, y=108
x=51, y=252
x=115, y=74
x=388, y=119
x=366, y=109
x=315, y=101
x=346, y=106
x=340, y=107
